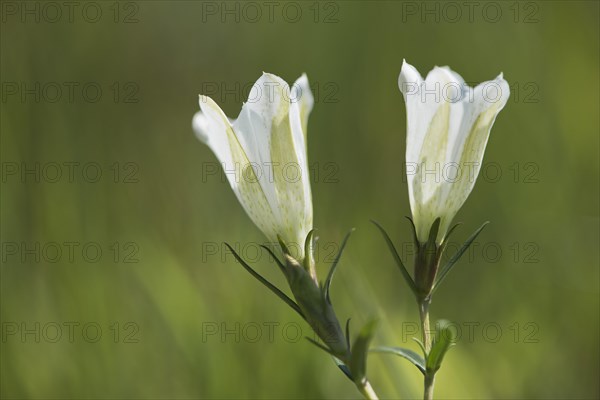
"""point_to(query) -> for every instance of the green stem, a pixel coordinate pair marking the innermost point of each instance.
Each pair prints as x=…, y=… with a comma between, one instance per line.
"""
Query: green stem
x=429, y=379
x=424, y=314
x=366, y=390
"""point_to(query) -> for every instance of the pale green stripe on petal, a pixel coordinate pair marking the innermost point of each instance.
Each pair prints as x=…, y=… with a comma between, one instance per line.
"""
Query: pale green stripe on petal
x=239, y=171
x=427, y=182
x=287, y=174
x=269, y=135
x=471, y=158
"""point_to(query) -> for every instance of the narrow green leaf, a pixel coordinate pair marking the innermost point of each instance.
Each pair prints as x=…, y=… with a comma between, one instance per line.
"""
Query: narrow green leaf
x=397, y=258
x=445, y=338
x=414, y=230
x=319, y=345
x=433, y=232
x=334, y=266
x=279, y=263
x=348, y=332
x=268, y=284
x=283, y=246
x=421, y=345
x=445, y=240
x=410, y=355
x=448, y=266
x=358, y=362
x=451, y=230
x=343, y=367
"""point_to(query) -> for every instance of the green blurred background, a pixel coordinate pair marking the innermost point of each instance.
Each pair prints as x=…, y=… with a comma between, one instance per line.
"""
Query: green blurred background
x=165, y=312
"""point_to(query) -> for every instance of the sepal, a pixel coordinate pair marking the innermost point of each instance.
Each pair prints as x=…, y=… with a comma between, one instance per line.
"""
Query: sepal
x=403, y=270
x=313, y=304
x=268, y=284
x=317, y=309
x=309, y=262
x=327, y=284
x=448, y=266
x=426, y=263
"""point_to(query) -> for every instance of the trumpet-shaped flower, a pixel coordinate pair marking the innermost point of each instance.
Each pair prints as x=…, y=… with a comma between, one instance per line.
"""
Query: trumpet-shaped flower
x=263, y=154
x=448, y=126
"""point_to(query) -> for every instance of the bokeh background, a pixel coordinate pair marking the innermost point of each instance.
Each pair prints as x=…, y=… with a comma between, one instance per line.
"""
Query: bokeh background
x=114, y=279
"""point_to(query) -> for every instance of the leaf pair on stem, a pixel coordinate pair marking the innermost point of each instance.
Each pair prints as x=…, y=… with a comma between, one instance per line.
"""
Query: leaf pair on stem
x=427, y=278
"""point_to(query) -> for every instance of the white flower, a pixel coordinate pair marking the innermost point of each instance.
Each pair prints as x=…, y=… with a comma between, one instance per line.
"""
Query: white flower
x=263, y=154
x=448, y=126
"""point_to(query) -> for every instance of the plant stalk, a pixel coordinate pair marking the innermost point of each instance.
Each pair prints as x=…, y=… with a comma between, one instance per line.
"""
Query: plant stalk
x=366, y=390
x=429, y=380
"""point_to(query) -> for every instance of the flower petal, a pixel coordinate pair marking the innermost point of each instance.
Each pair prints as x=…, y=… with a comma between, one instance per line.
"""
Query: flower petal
x=266, y=107
x=301, y=105
x=419, y=114
x=213, y=128
x=302, y=95
x=448, y=125
x=469, y=150
x=427, y=184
